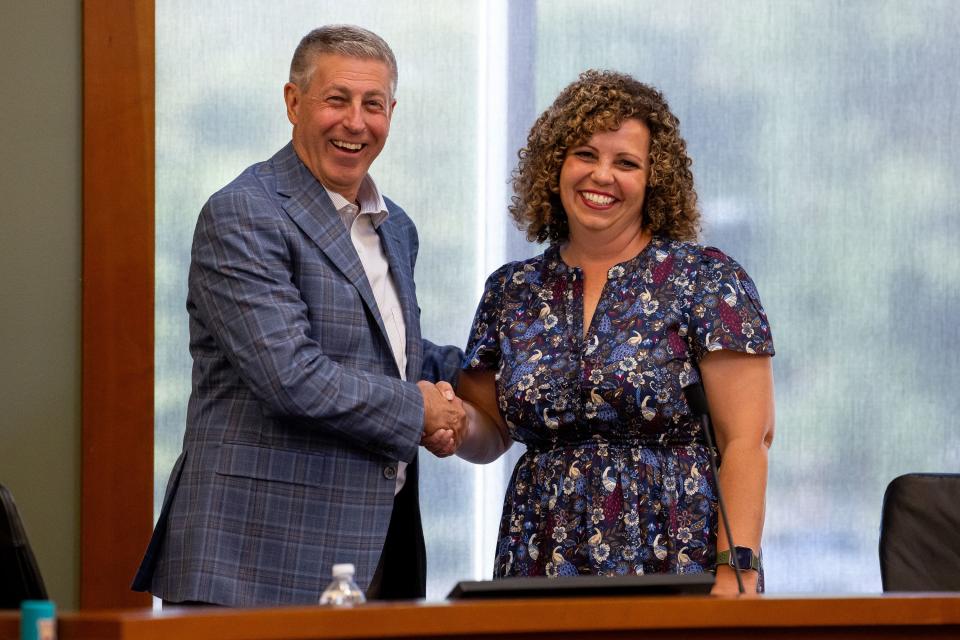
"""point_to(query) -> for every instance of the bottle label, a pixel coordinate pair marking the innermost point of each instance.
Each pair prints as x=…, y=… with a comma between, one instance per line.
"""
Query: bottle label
x=47, y=629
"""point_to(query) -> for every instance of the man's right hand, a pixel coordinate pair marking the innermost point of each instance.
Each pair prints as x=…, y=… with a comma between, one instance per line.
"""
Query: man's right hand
x=444, y=420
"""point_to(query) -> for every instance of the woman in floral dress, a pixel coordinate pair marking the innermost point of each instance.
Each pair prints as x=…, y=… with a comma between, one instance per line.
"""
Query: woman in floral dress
x=581, y=353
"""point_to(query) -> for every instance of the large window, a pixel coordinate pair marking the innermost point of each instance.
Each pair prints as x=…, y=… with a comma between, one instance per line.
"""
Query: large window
x=825, y=153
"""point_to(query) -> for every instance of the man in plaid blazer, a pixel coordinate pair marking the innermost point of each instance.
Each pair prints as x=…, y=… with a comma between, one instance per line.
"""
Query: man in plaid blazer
x=305, y=412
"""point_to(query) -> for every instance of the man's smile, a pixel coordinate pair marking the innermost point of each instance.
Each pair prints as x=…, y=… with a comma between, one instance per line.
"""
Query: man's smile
x=351, y=147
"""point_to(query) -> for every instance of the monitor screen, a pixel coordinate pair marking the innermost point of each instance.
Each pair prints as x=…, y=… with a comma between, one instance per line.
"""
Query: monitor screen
x=578, y=586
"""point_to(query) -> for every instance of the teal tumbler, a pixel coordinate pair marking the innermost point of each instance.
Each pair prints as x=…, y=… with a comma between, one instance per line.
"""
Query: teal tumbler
x=38, y=620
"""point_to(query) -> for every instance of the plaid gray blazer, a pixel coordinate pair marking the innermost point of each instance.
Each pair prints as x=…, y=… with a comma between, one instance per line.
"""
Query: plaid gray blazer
x=297, y=414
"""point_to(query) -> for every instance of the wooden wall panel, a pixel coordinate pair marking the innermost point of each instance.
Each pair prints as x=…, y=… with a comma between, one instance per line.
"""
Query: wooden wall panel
x=118, y=252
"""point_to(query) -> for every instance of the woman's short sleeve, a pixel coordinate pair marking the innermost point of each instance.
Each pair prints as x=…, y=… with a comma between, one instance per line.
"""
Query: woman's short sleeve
x=483, y=345
x=724, y=309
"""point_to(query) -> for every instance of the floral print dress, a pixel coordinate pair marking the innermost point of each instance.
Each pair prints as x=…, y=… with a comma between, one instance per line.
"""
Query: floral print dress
x=615, y=479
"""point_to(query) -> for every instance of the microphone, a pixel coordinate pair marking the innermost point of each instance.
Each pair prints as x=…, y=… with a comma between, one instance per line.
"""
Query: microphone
x=697, y=401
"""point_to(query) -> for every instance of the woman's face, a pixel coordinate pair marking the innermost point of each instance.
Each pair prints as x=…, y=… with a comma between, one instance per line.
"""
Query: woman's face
x=602, y=181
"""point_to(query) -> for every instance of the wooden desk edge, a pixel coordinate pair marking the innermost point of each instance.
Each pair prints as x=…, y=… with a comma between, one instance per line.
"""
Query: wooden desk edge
x=464, y=618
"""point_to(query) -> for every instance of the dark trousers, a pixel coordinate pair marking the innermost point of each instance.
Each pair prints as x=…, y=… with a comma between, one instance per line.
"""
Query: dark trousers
x=402, y=571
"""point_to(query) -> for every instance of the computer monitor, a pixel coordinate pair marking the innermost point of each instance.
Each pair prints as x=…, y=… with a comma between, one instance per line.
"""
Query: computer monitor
x=19, y=575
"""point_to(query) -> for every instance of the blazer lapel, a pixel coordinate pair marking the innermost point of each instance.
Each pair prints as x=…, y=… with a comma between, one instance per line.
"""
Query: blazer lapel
x=309, y=206
x=398, y=257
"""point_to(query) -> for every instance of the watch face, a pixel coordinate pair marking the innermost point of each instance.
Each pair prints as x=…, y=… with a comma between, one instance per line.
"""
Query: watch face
x=744, y=557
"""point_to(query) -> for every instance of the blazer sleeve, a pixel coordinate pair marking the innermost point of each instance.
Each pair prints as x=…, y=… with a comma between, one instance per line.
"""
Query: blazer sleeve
x=242, y=289
x=441, y=363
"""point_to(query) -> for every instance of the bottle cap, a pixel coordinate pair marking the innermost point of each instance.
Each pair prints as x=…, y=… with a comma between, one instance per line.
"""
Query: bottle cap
x=343, y=570
x=38, y=608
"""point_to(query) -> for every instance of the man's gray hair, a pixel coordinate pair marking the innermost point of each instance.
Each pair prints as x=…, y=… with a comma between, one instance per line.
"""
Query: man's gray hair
x=344, y=40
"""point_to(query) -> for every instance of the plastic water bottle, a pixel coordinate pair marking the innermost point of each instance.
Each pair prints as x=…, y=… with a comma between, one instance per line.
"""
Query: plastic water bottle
x=343, y=591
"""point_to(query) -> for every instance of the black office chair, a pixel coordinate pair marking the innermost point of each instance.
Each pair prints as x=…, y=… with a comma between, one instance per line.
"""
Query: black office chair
x=920, y=533
x=19, y=575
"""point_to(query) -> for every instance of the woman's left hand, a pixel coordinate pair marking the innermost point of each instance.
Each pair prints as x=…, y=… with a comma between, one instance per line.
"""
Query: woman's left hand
x=726, y=583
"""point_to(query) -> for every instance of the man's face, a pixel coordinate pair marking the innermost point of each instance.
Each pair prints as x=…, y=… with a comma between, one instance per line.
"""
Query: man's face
x=341, y=119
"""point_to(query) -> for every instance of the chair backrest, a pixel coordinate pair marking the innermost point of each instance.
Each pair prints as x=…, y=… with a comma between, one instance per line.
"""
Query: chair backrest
x=19, y=576
x=920, y=533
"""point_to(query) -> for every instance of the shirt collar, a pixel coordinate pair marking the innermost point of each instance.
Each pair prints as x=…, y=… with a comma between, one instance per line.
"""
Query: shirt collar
x=370, y=199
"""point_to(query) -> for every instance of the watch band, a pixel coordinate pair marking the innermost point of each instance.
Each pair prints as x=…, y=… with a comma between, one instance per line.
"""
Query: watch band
x=725, y=558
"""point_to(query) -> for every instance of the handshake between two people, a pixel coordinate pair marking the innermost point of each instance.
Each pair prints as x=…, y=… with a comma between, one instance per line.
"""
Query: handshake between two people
x=444, y=418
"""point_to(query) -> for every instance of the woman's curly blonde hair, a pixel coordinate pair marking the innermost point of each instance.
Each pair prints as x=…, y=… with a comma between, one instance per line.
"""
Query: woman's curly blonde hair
x=600, y=101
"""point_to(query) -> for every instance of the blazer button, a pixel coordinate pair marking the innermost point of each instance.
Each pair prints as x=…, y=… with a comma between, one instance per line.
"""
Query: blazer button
x=390, y=472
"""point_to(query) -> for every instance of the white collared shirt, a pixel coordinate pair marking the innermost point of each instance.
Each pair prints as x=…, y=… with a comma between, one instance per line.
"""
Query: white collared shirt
x=361, y=224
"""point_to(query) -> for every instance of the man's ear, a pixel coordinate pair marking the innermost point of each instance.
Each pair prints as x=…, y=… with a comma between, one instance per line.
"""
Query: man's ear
x=293, y=98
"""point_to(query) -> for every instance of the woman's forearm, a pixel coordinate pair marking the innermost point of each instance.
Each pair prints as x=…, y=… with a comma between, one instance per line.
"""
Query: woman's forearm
x=484, y=440
x=743, y=481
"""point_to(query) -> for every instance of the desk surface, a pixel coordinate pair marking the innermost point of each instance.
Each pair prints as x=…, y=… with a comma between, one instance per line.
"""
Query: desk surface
x=932, y=615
